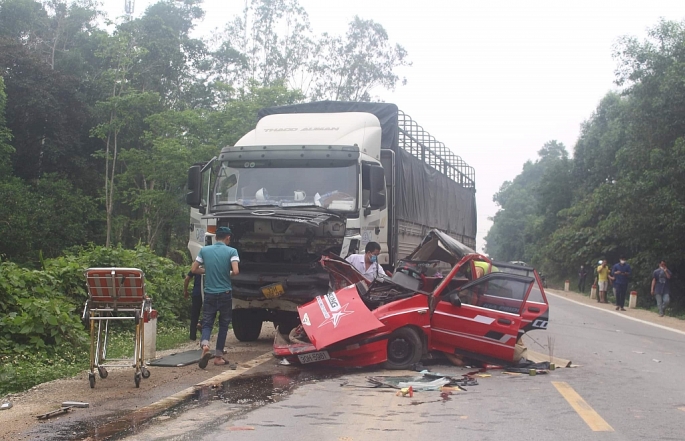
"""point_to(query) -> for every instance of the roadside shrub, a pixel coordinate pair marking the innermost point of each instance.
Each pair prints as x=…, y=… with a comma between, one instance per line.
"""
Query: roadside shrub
x=34, y=314
x=40, y=310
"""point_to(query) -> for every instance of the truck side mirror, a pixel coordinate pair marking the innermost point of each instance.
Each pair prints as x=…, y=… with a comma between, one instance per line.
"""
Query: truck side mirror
x=377, y=181
x=194, y=195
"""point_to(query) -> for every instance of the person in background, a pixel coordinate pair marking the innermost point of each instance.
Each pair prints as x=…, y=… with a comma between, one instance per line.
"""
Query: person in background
x=602, y=281
x=196, y=305
x=367, y=263
x=621, y=273
x=220, y=263
x=582, y=276
x=661, y=279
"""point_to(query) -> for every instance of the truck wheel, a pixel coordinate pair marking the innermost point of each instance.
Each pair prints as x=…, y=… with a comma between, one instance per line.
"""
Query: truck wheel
x=405, y=349
x=247, y=324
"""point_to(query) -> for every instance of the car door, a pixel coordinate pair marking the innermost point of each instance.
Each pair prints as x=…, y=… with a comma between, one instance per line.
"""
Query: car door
x=535, y=312
x=486, y=323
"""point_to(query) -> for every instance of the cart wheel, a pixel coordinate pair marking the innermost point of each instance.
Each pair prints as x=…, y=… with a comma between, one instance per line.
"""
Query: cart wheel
x=145, y=372
x=102, y=371
x=137, y=379
x=91, y=379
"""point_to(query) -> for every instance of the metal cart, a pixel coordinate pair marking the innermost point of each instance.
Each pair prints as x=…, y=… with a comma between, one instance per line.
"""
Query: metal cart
x=115, y=294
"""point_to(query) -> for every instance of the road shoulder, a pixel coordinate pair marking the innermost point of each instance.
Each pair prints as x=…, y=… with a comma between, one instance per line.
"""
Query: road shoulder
x=638, y=314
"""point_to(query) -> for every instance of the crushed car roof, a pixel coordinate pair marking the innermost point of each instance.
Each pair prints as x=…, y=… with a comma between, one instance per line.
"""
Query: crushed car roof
x=438, y=245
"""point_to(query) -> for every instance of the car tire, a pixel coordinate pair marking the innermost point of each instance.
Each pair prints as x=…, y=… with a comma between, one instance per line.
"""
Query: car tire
x=247, y=325
x=405, y=349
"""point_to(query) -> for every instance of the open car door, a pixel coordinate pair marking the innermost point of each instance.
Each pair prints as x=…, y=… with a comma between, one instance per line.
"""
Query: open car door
x=535, y=312
x=486, y=324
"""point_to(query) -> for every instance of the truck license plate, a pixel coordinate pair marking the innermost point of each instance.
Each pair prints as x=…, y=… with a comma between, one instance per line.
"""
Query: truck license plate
x=314, y=357
x=273, y=291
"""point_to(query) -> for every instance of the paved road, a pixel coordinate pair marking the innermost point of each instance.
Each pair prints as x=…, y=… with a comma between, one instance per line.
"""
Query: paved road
x=629, y=386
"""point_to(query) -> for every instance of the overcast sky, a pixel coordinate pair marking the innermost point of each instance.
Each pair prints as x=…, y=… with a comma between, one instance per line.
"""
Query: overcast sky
x=493, y=80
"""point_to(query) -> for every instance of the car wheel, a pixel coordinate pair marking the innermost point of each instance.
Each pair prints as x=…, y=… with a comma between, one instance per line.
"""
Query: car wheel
x=404, y=349
x=247, y=324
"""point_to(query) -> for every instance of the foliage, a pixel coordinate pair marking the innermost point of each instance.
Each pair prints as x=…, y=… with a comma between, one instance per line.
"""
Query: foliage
x=623, y=192
x=272, y=42
x=41, y=309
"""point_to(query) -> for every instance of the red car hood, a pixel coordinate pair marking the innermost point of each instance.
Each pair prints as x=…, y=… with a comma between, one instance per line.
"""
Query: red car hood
x=335, y=317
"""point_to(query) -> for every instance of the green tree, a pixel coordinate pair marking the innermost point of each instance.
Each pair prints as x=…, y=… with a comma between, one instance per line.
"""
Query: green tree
x=6, y=148
x=349, y=68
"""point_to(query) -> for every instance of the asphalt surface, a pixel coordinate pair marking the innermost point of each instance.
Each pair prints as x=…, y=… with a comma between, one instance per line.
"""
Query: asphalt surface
x=628, y=386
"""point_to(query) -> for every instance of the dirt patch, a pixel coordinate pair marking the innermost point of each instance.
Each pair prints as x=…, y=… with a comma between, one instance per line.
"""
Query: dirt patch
x=114, y=395
x=637, y=313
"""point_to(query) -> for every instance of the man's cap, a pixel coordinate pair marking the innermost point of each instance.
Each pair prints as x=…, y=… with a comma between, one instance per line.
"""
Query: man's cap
x=223, y=231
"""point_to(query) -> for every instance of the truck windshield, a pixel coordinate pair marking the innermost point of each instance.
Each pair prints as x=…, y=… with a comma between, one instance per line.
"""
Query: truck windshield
x=334, y=188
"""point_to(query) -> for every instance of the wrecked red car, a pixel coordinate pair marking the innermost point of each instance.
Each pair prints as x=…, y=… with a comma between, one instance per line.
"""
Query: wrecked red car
x=442, y=297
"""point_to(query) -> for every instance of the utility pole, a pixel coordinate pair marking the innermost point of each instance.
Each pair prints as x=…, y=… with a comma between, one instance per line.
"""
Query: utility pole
x=129, y=6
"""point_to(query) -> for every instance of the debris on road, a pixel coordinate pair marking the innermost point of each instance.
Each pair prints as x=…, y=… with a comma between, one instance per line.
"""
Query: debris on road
x=6, y=406
x=530, y=368
x=59, y=411
x=405, y=392
x=655, y=360
x=75, y=404
x=538, y=357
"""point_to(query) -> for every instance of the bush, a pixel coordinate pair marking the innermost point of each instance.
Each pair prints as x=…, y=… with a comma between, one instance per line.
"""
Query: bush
x=40, y=310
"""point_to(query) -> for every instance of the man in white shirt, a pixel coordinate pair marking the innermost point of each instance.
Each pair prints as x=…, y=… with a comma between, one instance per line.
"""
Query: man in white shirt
x=367, y=263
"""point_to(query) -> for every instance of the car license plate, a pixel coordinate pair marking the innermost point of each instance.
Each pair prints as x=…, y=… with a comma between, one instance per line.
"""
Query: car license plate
x=314, y=357
x=273, y=291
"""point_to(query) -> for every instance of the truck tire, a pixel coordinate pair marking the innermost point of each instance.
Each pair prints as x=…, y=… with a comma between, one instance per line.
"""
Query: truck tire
x=405, y=348
x=247, y=324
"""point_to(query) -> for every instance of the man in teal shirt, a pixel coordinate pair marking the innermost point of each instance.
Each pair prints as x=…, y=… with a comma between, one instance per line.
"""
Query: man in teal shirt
x=220, y=261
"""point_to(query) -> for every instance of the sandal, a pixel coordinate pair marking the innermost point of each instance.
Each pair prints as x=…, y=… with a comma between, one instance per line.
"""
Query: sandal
x=206, y=355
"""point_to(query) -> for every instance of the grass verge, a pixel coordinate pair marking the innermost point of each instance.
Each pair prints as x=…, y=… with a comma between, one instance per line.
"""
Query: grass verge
x=19, y=372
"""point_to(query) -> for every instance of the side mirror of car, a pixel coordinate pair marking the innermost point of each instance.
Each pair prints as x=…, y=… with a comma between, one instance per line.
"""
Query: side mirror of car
x=454, y=299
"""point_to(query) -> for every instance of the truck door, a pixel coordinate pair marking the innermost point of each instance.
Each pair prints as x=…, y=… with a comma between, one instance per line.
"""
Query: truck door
x=388, y=162
x=487, y=322
x=374, y=220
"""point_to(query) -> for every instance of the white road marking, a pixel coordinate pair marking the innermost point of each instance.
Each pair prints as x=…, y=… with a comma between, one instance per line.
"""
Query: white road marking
x=617, y=314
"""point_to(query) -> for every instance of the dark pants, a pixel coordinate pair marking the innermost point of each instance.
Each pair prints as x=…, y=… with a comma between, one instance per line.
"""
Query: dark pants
x=581, y=284
x=222, y=304
x=620, y=294
x=195, y=315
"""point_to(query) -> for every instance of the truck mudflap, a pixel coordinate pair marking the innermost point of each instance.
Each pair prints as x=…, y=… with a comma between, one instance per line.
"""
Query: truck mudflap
x=335, y=317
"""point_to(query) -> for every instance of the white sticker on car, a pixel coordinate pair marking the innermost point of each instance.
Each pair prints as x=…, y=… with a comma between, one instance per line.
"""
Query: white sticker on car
x=305, y=320
x=325, y=313
x=332, y=301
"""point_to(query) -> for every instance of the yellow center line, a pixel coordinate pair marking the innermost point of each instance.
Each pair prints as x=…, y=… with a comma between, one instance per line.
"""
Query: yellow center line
x=587, y=413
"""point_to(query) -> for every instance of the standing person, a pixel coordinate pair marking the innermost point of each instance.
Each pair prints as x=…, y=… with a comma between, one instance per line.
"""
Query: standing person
x=367, y=263
x=621, y=273
x=661, y=278
x=196, y=305
x=602, y=281
x=582, y=275
x=220, y=263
